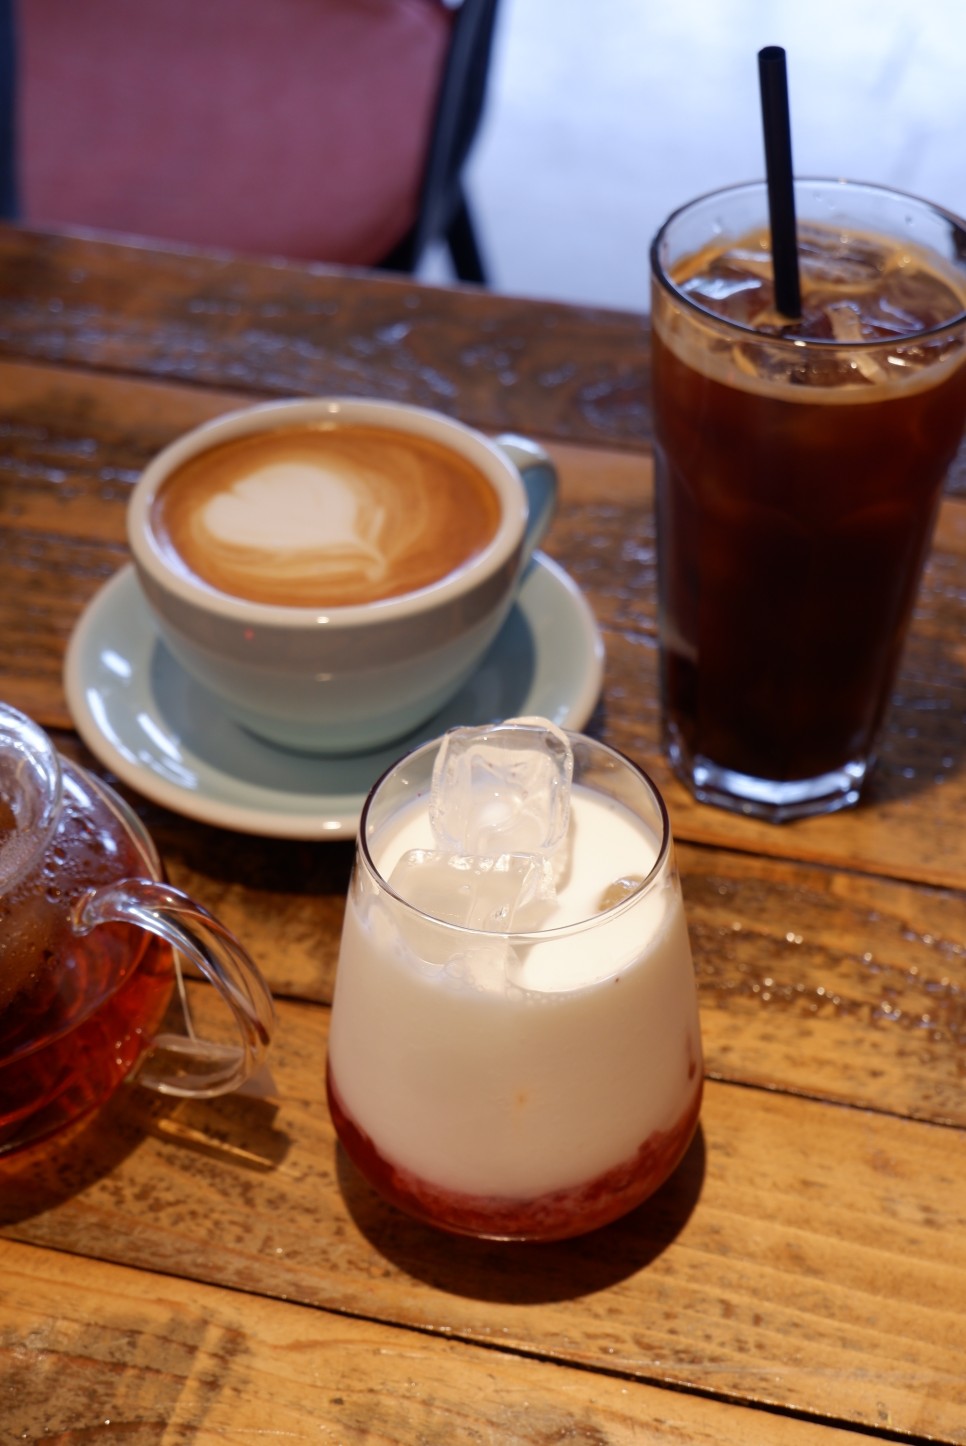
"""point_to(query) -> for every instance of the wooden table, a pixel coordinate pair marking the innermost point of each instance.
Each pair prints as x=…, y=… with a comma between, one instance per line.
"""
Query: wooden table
x=217, y=1272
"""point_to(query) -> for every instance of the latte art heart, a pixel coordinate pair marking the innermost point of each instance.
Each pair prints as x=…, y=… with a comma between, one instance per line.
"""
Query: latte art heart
x=325, y=516
x=303, y=518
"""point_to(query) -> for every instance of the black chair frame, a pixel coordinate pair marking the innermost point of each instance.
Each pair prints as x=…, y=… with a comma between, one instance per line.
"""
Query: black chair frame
x=443, y=212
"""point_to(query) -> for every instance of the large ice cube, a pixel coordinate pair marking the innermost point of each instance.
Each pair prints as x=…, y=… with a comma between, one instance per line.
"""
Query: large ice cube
x=494, y=895
x=464, y=892
x=503, y=789
x=490, y=965
x=829, y=257
x=845, y=319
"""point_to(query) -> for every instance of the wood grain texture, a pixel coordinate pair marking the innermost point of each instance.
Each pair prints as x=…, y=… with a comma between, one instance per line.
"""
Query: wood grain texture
x=837, y=985
x=289, y=329
x=104, y=1352
x=268, y=329
x=74, y=446
x=804, y=1257
x=886, y=1030
x=805, y=1269
x=840, y=986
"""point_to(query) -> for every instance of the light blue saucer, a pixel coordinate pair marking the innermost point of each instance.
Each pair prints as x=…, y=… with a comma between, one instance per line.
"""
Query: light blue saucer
x=166, y=736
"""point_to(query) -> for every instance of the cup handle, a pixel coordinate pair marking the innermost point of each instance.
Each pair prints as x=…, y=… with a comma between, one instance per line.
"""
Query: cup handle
x=539, y=477
x=183, y=1064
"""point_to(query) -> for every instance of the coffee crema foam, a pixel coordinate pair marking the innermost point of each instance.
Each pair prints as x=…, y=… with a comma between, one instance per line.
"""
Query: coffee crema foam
x=324, y=516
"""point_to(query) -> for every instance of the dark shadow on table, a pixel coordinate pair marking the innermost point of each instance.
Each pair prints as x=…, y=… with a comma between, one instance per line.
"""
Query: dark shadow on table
x=923, y=742
x=238, y=1129
x=527, y=1273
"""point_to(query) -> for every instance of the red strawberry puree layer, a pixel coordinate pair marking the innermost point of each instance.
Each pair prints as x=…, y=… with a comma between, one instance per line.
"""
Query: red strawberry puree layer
x=553, y=1216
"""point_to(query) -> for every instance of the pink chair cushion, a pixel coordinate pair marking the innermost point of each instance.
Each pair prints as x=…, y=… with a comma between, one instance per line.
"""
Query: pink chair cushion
x=291, y=127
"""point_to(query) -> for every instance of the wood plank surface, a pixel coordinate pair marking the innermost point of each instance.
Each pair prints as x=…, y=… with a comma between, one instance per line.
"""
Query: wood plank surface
x=278, y=328
x=74, y=444
x=98, y=1352
x=840, y=986
x=576, y=373
x=837, y=985
x=805, y=1257
x=887, y=963
x=802, y=1278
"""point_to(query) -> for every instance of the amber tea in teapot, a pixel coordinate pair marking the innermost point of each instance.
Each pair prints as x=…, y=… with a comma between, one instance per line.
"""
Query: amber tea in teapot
x=89, y=939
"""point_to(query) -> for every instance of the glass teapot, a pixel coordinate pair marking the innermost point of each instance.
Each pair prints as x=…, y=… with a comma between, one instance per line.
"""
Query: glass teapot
x=92, y=941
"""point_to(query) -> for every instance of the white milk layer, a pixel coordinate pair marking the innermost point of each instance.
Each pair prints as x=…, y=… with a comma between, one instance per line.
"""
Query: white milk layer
x=538, y=1078
x=291, y=507
x=318, y=517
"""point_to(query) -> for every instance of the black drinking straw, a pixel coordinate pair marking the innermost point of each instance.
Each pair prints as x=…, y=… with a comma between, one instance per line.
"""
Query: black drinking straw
x=773, y=83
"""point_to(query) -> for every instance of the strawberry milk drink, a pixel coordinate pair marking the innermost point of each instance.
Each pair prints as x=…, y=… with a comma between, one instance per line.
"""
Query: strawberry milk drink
x=515, y=1049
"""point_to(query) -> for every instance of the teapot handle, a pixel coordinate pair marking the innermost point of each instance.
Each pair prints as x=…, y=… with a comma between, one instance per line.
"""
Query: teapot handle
x=184, y=1064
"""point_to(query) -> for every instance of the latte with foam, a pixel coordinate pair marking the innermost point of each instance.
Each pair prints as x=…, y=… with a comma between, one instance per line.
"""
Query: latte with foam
x=324, y=516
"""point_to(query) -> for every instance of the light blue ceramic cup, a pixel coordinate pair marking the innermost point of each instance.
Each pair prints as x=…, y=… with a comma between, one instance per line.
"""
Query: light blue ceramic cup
x=345, y=679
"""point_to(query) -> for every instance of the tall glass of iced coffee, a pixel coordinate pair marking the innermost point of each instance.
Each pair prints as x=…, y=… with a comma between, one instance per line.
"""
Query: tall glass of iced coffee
x=799, y=469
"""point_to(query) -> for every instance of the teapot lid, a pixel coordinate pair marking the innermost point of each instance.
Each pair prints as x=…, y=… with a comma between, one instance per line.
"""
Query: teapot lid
x=30, y=792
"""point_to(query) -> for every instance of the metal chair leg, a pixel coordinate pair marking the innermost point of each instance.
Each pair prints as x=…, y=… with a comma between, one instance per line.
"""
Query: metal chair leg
x=8, y=84
x=463, y=247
